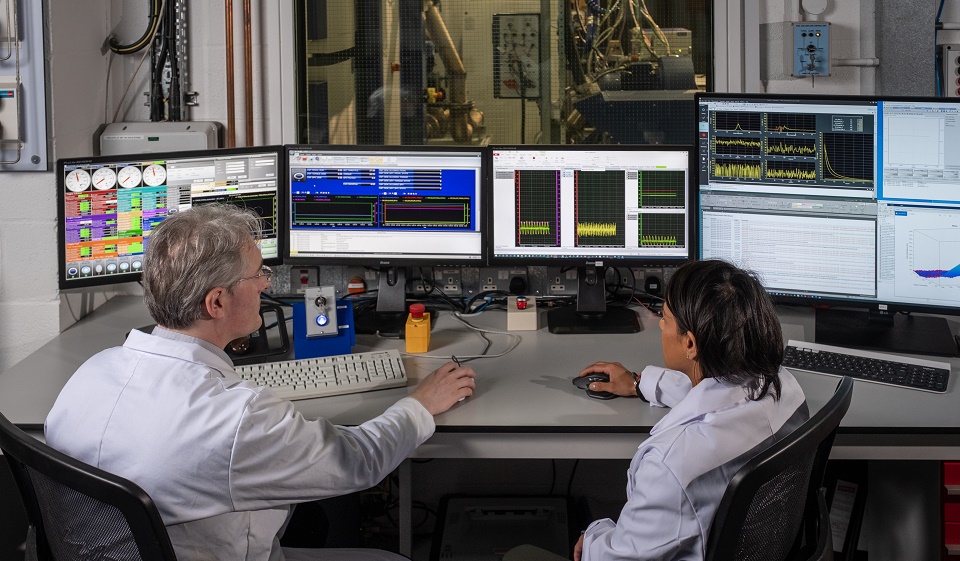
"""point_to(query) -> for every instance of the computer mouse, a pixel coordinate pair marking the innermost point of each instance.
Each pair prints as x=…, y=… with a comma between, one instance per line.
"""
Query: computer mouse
x=583, y=382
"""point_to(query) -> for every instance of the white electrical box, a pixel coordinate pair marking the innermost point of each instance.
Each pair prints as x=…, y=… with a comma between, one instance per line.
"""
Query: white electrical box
x=144, y=138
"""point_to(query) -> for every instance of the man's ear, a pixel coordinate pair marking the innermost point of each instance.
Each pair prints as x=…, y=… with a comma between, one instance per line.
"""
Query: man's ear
x=213, y=303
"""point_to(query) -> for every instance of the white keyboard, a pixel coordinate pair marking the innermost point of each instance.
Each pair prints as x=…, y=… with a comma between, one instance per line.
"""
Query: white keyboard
x=329, y=375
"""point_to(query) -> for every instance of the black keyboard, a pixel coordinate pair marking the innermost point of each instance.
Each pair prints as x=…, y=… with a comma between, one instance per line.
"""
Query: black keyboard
x=913, y=373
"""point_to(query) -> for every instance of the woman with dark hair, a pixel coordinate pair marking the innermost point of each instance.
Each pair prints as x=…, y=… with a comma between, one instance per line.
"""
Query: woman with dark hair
x=729, y=399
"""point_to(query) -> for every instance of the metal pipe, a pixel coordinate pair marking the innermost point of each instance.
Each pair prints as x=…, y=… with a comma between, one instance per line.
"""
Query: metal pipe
x=248, y=72
x=855, y=61
x=448, y=54
x=231, y=117
x=461, y=129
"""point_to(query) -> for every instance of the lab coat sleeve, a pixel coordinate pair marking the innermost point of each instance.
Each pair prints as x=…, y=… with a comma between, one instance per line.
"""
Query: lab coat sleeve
x=663, y=387
x=279, y=457
x=656, y=522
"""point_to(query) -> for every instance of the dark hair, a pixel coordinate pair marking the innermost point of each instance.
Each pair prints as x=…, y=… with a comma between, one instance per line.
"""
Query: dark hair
x=736, y=327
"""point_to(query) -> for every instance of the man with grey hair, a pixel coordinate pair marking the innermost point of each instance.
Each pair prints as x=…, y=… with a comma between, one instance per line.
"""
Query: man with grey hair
x=225, y=459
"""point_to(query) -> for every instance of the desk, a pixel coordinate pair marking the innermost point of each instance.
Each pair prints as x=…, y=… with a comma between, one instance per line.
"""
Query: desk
x=525, y=405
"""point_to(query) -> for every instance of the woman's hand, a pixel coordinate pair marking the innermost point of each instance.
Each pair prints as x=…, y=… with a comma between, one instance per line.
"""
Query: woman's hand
x=578, y=549
x=622, y=381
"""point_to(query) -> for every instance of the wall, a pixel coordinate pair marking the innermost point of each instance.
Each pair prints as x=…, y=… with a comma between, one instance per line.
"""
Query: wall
x=30, y=307
x=32, y=311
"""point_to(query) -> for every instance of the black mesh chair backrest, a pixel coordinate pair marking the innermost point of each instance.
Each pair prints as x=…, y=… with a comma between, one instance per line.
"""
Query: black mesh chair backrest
x=775, y=494
x=77, y=512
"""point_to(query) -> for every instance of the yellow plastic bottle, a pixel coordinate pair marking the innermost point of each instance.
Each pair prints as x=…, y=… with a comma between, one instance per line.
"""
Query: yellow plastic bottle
x=417, y=333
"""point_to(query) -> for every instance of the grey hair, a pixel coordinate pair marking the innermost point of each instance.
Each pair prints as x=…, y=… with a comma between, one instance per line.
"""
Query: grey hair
x=190, y=253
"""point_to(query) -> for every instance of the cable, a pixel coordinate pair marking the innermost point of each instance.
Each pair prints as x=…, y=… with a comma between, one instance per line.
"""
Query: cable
x=515, y=341
x=572, y=473
x=163, y=5
x=147, y=36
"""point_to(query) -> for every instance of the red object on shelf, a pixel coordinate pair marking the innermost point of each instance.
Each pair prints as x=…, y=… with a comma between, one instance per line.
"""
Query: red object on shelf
x=416, y=310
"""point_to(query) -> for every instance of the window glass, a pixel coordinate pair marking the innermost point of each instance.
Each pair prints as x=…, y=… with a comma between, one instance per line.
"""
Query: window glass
x=477, y=72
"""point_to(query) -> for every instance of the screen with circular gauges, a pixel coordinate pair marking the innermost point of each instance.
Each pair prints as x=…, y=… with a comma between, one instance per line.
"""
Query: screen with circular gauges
x=154, y=175
x=77, y=180
x=129, y=176
x=104, y=178
x=109, y=205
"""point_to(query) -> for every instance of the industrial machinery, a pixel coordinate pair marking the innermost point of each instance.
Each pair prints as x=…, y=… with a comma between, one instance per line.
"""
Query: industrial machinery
x=632, y=81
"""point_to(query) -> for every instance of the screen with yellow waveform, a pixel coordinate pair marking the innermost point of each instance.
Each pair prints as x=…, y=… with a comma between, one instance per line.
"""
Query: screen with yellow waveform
x=593, y=229
x=600, y=200
x=728, y=169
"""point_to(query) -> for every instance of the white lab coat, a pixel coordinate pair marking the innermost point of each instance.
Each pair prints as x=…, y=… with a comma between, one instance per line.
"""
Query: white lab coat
x=679, y=474
x=222, y=458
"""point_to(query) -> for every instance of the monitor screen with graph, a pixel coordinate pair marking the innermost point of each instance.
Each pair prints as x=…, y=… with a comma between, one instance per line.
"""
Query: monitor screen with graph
x=591, y=207
x=108, y=205
x=836, y=201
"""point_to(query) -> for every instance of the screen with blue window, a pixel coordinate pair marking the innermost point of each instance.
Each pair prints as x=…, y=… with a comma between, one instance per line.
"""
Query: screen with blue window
x=382, y=206
x=842, y=200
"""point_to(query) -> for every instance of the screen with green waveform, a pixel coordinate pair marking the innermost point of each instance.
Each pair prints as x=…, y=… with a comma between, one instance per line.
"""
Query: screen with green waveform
x=661, y=188
x=662, y=230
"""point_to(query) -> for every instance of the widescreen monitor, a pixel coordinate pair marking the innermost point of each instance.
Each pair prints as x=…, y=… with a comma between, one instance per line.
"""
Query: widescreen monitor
x=387, y=207
x=107, y=206
x=851, y=203
x=591, y=207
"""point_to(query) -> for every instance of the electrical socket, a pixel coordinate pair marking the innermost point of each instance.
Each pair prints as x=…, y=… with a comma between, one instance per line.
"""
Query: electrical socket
x=449, y=280
x=500, y=278
x=418, y=287
x=562, y=283
x=302, y=278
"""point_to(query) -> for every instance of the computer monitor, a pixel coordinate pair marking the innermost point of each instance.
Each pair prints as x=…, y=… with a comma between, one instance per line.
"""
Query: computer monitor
x=591, y=207
x=108, y=205
x=851, y=203
x=387, y=207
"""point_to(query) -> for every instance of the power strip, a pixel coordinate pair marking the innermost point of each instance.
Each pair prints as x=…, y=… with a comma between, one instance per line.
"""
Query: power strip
x=950, y=63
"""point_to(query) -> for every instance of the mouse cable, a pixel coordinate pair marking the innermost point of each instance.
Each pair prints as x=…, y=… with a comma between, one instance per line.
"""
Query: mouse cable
x=515, y=341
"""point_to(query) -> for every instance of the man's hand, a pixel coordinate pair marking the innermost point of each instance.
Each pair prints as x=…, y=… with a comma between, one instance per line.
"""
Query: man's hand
x=444, y=387
x=578, y=549
x=621, y=381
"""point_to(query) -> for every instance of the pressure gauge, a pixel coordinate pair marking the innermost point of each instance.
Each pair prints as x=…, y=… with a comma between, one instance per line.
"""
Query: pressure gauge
x=154, y=175
x=104, y=178
x=77, y=180
x=129, y=177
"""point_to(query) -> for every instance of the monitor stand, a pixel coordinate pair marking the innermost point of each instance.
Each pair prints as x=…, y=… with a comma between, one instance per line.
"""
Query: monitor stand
x=924, y=335
x=391, y=314
x=591, y=314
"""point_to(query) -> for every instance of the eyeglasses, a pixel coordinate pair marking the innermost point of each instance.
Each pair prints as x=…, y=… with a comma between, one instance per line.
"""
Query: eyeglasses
x=264, y=272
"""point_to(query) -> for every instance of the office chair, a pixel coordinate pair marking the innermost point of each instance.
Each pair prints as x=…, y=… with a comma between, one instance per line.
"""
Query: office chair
x=758, y=517
x=77, y=512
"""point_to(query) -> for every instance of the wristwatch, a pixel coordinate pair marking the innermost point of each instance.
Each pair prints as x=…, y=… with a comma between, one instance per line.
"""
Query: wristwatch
x=636, y=384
